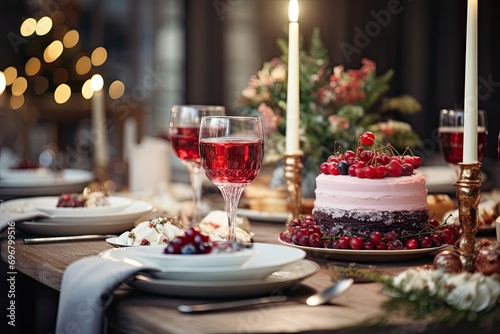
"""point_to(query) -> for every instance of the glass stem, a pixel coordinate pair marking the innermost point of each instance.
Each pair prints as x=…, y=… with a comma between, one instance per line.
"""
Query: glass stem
x=196, y=177
x=231, y=194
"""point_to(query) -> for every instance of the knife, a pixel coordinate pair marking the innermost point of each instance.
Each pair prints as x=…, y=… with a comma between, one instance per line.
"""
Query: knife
x=41, y=240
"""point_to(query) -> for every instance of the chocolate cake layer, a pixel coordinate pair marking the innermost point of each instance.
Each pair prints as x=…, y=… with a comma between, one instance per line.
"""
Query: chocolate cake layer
x=355, y=223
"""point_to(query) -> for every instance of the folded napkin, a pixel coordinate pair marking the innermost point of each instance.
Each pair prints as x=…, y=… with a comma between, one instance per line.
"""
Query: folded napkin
x=87, y=290
x=9, y=215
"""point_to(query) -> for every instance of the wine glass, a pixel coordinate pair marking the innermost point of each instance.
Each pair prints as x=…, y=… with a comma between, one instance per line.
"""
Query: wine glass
x=231, y=151
x=451, y=136
x=184, y=137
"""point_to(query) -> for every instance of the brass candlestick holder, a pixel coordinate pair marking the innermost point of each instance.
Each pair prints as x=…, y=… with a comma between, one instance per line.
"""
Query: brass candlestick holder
x=293, y=180
x=468, y=196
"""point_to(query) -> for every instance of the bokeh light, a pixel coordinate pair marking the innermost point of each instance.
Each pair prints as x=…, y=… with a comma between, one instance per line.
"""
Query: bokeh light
x=97, y=82
x=40, y=85
x=28, y=27
x=71, y=39
x=62, y=93
x=87, y=91
x=19, y=86
x=43, y=26
x=10, y=75
x=116, y=89
x=33, y=66
x=2, y=82
x=99, y=56
x=53, y=51
x=83, y=65
x=16, y=102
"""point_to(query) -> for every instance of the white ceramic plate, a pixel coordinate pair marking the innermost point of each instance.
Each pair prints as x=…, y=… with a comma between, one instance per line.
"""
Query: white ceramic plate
x=25, y=174
x=109, y=223
x=156, y=255
x=72, y=180
x=269, y=258
x=279, y=280
x=49, y=205
x=131, y=212
x=272, y=217
x=368, y=255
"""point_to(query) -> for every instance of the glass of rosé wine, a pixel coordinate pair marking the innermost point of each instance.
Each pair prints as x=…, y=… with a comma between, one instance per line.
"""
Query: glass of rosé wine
x=451, y=136
x=231, y=151
x=184, y=133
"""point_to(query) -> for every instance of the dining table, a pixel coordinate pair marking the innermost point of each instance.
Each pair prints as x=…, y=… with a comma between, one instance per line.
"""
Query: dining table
x=38, y=270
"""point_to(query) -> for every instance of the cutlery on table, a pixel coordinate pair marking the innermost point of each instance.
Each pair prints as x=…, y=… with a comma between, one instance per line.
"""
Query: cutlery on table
x=316, y=299
x=41, y=240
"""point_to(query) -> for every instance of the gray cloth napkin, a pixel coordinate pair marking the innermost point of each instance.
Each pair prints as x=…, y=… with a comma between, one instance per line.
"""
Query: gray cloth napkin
x=7, y=216
x=87, y=290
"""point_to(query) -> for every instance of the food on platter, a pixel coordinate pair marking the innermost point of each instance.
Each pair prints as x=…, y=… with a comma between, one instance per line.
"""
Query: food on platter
x=218, y=218
x=25, y=164
x=195, y=242
x=374, y=189
x=162, y=230
x=439, y=205
x=159, y=230
x=306, y=232
x=259, y=196
x=370, y=199
x=85, y=199
x=487, y=213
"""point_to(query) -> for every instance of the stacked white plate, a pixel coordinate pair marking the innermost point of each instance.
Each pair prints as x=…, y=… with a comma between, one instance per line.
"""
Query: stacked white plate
x=43, y=217
x=252, y=271
x=41, y=182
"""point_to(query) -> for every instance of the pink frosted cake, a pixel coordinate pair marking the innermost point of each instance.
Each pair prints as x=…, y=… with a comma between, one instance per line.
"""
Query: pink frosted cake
x=355, y=206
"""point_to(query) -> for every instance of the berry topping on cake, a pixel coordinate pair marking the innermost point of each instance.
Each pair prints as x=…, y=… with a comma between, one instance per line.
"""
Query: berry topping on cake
x=371, y=161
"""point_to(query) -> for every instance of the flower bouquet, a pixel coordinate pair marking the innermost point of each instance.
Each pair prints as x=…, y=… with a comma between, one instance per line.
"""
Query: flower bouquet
x=336, y=105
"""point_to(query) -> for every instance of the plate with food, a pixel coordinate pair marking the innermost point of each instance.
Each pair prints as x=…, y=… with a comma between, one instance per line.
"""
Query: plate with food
x=265, y=259
x=69, y=180
x=488, y=211
x=60, y=225
x=80, y=204
x=364, y=255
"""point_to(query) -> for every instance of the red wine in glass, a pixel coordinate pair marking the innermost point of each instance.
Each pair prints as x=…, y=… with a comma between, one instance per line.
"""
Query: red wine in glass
x=184, y=136
x=451, y=140
x=231, y=152
x=232, y=160
x=185, y=142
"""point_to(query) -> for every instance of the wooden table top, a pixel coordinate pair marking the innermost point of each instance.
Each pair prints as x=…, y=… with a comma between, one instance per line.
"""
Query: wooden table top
x=138, y=312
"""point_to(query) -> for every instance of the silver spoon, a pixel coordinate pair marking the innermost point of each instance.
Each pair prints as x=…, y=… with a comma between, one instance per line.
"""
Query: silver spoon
x=318, y=298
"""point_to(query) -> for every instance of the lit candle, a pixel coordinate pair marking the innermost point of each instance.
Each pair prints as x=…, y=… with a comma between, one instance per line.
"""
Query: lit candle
x=470, y=103
x=293, y=93
x=99, y=132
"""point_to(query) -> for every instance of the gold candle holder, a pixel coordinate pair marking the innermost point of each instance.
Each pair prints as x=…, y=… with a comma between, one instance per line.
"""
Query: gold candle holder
x=293, y=180
x=468, y=196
